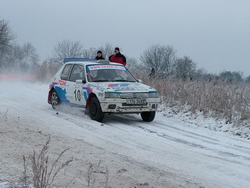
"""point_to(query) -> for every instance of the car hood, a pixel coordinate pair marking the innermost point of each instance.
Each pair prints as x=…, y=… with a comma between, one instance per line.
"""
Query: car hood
x=125, y=87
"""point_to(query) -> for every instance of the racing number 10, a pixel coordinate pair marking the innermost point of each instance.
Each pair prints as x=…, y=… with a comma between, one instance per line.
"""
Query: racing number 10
x=77, y=95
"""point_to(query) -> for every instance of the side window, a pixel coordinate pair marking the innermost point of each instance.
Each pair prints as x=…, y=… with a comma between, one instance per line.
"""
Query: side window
x=77, y=73
x=65, y=72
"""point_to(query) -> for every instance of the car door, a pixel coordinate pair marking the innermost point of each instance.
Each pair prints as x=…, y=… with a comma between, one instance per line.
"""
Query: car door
x=61, y=88
x=76, y=90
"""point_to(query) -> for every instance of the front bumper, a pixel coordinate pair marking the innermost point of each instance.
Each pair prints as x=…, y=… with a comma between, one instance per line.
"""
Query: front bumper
x=121, y=106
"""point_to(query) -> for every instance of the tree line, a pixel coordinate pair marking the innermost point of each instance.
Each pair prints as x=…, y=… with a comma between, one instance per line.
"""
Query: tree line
x=157, y=61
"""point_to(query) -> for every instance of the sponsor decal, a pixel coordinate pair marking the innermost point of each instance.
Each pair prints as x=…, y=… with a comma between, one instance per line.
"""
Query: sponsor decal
x=99, y=67
x=97, y=86
x=118, y=85
x=121, y=87
x=62, y=82
x=78, y=86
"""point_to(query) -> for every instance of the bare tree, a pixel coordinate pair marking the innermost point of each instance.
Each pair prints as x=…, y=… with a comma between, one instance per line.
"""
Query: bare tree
x=89, y=53
x=247, y=80
x=12, y=59
x=133, y=65
x=67, y=49
x=6, y=39
x=22, y=58
x=47, y=69
x=184, y=68
x=201, y=74
x=30, y=56
x=231, y=76
x=107, y=50
x=161, y=58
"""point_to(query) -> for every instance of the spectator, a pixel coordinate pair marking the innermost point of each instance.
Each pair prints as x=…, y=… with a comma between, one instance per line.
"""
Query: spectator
x=117, y=57
x=99, y=55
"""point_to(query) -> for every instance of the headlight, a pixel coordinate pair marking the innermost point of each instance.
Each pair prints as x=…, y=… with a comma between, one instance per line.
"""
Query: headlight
x=112, y=95
x=153, y=94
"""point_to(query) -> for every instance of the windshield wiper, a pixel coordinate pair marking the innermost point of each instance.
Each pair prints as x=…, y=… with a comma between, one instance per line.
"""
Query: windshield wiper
x=120, y=81
x=101, y=81
x=123, y=81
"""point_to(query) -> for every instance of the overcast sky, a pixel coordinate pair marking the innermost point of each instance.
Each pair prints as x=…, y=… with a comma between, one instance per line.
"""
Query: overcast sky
x=215, y=34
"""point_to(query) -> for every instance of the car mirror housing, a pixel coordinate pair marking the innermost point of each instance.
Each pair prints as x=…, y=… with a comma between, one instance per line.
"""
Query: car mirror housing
x=80, y=82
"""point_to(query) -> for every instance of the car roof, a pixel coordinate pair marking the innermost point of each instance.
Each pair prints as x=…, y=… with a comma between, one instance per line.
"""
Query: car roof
x=85, y=61
x=81, y=62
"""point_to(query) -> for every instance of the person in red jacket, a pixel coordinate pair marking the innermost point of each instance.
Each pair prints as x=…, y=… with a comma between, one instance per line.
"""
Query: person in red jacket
x=117, y=57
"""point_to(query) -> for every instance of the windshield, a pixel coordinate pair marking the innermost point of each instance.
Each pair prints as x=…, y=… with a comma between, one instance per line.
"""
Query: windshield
x=109, y=73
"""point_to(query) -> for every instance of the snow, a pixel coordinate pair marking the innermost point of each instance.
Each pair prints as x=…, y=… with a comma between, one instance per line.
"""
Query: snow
x=175, y=150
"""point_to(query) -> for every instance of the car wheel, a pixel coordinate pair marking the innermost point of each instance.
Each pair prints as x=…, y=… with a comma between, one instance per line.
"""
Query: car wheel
x=148, y=116
x=55, y=101
x=95, y=110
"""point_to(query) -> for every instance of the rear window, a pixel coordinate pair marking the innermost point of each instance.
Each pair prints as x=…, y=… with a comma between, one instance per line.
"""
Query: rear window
x=66, y=72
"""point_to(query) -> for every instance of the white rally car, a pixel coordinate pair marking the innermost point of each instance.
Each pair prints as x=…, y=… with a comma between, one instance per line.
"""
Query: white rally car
x=102, y=87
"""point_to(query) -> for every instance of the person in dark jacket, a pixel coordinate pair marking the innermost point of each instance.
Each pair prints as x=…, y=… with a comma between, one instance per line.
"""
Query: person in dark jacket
x=117, y=57
x=99, y=55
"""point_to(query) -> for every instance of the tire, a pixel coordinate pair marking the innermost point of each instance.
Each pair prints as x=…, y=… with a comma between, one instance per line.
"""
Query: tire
x=95, y=111
x=55, y=101
x=148, y=116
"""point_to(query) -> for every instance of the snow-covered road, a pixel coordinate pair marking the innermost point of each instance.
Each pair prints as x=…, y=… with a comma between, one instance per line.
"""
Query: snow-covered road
x=167, y=152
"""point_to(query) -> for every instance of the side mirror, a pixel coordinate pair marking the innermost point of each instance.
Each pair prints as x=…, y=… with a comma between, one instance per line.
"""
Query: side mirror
x=139, y=80
x=80, y=82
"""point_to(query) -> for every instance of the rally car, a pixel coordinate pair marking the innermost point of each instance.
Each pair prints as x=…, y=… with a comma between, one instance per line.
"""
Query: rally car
x=102, y=87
